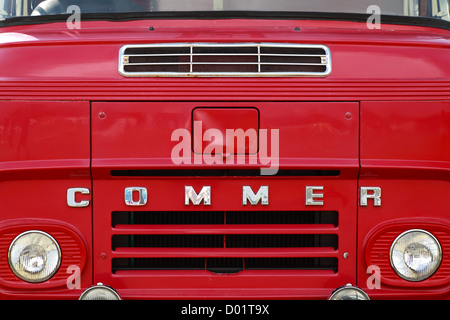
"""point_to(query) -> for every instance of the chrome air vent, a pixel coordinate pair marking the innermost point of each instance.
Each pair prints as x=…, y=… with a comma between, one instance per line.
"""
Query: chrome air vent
x=224, y=60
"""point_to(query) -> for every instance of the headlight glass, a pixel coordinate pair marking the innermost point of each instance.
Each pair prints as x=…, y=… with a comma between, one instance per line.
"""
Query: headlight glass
x=34, y=256
x=100, y=292
x=415, y=255
x=349, y=292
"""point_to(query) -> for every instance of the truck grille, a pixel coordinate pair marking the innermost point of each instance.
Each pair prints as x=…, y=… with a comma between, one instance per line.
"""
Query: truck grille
x=224, y=59
x=224, y=241
x=169, y=249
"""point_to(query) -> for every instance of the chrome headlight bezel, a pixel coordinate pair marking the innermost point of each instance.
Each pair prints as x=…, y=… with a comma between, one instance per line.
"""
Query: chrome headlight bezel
x=46, y=244
x=401, y=267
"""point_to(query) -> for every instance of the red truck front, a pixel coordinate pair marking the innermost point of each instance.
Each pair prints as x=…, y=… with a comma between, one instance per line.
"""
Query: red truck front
x=224, y=149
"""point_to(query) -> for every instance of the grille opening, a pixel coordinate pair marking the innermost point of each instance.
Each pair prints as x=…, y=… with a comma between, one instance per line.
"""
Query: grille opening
x=293, y=50
x=224, y=265
x=225, y=241
x=281, y=240
x=291, y=264
x=224, y=59
x=222, y=50
x=158, y=264
x=167, y=217
x=158, y=50
x=223, y=217
x=224, y=68
x=222, y=173
x=234, y=59
x=157, y=59
x=280, y=59
x=168, y=241
x=282, y=217
x=284, y=68
x=157, y=68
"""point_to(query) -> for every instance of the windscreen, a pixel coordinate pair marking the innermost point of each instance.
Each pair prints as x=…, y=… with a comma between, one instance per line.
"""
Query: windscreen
x=438, y=9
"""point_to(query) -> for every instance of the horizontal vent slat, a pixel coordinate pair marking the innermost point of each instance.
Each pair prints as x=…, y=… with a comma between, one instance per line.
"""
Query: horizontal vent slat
x=224, y=252
x=225, y=265
x=215, y=229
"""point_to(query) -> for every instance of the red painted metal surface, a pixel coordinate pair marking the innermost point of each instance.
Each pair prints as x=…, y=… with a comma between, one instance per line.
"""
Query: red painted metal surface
x=223, y=119
x=67, y=118
x=146, y=129
x=405, y=150
x=226, y=196
x=83, y=63
x=45, y=149
x=314, y=135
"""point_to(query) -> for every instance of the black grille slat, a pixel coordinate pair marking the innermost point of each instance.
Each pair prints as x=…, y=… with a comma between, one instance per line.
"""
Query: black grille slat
x=224, y=217
x=222, y=173
x=224, y=265
x=281, y=240
x=168, y=241
x=291, y=264
x=286, y=68
x=226, y=241
x=158, y=264
x=158, y=50
x=167, y=217
x=157, y=68
x=292, y=51
x=290, y=59
x=224, y=50
x=282, y=217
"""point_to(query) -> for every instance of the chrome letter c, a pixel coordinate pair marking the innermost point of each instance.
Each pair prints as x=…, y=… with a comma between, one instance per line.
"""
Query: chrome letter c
x=71, y=202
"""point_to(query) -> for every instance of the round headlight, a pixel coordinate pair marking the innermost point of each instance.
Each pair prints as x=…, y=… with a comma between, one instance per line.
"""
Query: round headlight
x=349, y=292
x=415, y=255
x=100, y=292
x=34, y=256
